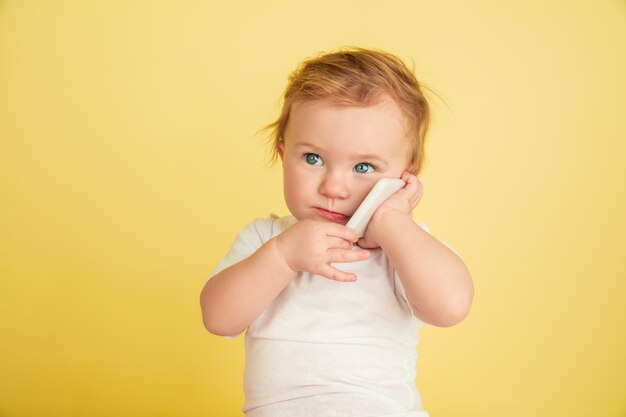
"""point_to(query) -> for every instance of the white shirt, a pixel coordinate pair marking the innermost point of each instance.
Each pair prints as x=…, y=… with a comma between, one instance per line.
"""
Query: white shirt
x=330, y=349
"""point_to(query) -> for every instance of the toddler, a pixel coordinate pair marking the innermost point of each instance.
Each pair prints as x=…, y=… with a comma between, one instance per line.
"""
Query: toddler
x=332, y=320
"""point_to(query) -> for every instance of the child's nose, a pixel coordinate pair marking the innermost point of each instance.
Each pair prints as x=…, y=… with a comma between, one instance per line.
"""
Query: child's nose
x=333, y=185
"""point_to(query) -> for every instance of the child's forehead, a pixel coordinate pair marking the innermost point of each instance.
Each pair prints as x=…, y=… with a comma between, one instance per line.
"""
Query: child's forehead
x=382, y=113
x=377, y=129
x=339, y=103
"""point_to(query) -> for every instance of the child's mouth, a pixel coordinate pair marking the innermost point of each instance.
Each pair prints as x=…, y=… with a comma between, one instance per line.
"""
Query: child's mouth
x=331, y=215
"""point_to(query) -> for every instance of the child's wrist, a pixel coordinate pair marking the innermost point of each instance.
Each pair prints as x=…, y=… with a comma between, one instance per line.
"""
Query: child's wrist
x=277, y=250
x=385, y=221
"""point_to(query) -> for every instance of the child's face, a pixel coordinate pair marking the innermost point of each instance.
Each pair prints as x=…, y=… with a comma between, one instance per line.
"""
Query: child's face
x=333, y=155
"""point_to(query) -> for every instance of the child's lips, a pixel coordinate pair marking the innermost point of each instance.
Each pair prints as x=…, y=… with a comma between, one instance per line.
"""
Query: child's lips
x=332, y=215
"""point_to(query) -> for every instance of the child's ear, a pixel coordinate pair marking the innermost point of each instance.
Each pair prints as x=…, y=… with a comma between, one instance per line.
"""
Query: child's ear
x=281, y=148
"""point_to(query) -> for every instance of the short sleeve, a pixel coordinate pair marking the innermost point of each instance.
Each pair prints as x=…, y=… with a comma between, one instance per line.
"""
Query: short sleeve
x=427, y=230
x=248, y=241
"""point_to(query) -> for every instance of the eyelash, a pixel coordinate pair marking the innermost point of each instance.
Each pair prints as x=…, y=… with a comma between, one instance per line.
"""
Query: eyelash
x=306, y=156
x=368, y=164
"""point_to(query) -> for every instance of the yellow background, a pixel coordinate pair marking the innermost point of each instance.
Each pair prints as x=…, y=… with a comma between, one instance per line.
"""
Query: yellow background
x=129, y=161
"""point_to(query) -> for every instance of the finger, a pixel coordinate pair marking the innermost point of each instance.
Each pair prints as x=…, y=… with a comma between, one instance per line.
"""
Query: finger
x=420, y=191
x=336, y=242
x=334, y=274
x=365, y=243
x=408, y=177
x=413, y=187
x=342, y=232
x=411, y=181
x=347, y=255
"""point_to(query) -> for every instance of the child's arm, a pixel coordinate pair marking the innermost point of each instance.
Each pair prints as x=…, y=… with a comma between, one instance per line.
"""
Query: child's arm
x=236, y=296
x=437, y=283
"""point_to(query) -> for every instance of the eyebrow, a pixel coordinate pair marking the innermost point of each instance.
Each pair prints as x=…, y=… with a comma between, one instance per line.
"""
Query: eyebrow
x=363, y=157
x=374, y=158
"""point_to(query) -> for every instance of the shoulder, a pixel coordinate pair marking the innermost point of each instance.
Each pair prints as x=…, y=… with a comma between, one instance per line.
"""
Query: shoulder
x=252, y=237
x=266, y=228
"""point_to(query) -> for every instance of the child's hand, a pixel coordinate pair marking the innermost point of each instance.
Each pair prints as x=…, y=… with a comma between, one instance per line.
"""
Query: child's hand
x=312, y=246
x=404, y=201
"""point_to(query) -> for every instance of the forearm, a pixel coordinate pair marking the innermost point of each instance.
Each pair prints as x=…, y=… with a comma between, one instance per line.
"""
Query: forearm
x=236, y=296
x=437, y=282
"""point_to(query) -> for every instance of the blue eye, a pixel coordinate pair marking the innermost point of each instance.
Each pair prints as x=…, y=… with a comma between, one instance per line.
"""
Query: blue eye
x=313, y=159
x=364, y=168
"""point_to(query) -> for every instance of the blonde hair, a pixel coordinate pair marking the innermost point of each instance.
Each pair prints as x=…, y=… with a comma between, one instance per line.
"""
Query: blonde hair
x=358, y=77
